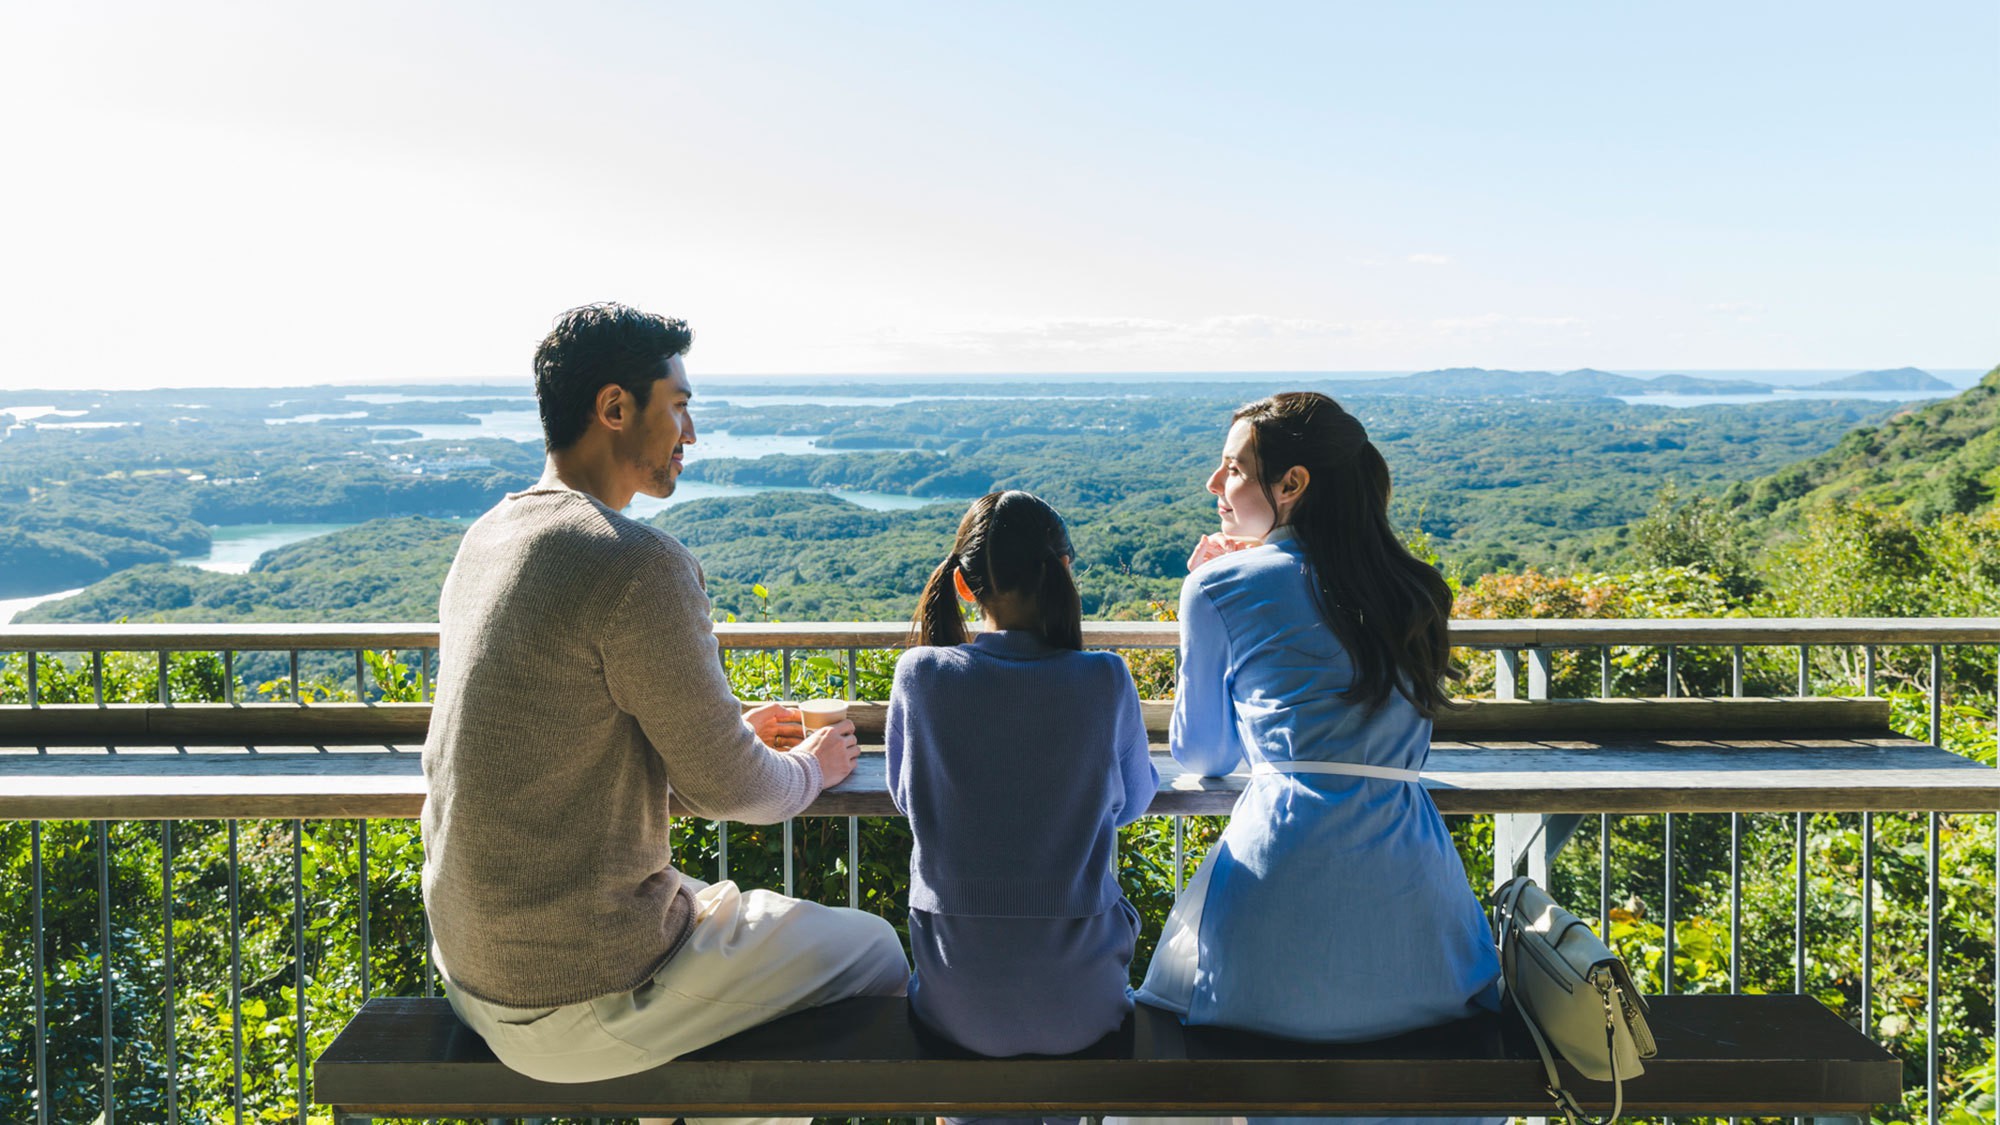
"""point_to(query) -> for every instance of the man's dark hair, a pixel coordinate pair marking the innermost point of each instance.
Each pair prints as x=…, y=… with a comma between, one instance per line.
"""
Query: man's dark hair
x=592, y=346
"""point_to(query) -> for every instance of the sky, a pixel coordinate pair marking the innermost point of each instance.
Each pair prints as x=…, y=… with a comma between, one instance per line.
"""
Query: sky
x=282, y=193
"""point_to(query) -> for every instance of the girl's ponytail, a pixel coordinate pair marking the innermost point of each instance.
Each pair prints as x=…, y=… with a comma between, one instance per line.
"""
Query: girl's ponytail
x=938, y=620
x=1062, y=610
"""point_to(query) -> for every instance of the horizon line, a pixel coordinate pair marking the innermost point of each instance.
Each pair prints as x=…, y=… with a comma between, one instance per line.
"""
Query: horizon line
x=1359, y=374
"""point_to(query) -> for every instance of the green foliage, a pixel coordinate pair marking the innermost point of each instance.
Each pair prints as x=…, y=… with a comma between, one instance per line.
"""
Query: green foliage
x=1939, y=459
x=1697, y=533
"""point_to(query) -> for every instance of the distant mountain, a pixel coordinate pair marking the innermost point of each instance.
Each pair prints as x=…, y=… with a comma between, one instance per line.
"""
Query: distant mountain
x=1696, y=385
x=1899, y=379
x=1940, y=457
x=1461, y=382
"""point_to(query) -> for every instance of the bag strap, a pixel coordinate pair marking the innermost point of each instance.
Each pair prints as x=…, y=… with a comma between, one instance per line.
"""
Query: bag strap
x=1510, y=927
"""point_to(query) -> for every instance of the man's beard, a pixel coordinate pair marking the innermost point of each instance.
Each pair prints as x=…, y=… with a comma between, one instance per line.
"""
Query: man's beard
x=658, y=475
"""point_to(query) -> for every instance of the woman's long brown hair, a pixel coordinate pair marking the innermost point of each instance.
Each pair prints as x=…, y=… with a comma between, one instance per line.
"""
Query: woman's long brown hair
x=1390, y=610
x=1008, y=543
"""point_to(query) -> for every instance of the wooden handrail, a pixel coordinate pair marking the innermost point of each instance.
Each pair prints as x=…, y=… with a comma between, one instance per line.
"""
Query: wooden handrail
x=1514, y=633
x=237, y=724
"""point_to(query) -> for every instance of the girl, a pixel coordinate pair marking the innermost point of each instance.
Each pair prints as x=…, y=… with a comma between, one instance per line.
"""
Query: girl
x=1015, y=756
x=1314, y=652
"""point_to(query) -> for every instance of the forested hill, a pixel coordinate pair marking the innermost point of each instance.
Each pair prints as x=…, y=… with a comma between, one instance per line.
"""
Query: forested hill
x=1930, y=461
x=383, y=570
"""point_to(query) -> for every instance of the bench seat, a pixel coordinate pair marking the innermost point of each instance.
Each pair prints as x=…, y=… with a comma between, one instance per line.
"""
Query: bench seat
x=1764, y=1055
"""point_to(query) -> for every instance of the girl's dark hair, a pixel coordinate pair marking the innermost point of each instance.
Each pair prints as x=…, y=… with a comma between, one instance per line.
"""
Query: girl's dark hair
x=1008, y=543
x=1390, y=610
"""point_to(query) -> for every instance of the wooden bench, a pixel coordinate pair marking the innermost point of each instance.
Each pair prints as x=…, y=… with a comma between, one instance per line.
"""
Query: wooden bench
x=1764, y=1055
x=195, y=761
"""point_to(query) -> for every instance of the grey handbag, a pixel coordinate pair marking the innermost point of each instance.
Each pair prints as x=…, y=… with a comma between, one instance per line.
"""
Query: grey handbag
x=1572, y=992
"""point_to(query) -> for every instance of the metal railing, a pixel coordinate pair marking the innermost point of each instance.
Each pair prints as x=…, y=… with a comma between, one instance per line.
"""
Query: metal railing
x=816, y=658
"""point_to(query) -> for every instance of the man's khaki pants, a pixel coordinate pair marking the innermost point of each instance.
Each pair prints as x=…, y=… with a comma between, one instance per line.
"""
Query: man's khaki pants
x=751, y=958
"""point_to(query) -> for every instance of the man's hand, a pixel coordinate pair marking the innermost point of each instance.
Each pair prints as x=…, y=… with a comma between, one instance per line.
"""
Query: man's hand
x=777, y=725
x=836, y=748
x=1215, y=544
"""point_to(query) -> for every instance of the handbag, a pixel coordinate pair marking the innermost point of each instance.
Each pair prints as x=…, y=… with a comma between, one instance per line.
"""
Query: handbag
x=1572, y=992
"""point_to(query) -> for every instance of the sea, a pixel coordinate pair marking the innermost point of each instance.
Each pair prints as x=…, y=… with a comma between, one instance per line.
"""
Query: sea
x=234, y=548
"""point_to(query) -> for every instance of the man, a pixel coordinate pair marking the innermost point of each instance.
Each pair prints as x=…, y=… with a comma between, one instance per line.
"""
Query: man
x=578, y=684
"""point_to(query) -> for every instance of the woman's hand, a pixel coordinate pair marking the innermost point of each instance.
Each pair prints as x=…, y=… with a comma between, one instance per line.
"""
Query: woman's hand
x=1215, y=544
x=778, y=726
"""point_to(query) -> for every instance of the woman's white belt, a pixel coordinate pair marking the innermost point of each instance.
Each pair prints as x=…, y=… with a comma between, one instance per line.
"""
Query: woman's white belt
x=1352, y=769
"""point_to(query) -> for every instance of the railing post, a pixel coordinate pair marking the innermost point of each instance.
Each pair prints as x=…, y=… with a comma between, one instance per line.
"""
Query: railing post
x=1799, y=903
x=785, y=692
x=1667, y=912
x=1180, y=853
x=361, y=856
x=167, y=968
x=1519, y=839
x=1932, y=994
x=235, y=977
x=853, y=822
x=41, y=975
x=1541, y=671
x=109, y=1116
x=301, y=1019
x=1735, y=902
x=1868, y=924
x=1604, y=876
x=1937, y=695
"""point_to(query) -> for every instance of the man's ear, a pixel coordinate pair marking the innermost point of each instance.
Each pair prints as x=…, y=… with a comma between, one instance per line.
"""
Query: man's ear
x=614, y=406
x=958, y=583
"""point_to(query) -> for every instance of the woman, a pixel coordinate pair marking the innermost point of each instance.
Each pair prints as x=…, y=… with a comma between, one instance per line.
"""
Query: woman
x=1314, y=653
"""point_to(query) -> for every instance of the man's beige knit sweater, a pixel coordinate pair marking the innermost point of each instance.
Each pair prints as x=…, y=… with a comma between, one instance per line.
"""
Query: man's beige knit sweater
x=578, y=681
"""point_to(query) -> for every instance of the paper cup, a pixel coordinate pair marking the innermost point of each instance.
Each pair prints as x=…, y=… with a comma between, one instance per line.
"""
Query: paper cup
x=817, y=713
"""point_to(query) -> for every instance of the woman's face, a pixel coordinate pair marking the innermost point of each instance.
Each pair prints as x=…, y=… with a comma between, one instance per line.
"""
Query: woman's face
x=1239, y=498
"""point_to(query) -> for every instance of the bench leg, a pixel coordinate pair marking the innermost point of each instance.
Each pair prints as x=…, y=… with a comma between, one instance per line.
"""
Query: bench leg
x=1526, y=843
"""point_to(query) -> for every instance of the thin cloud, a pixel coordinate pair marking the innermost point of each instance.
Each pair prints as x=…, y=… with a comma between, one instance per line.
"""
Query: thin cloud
x=1430, y=259
x=1113, y=335
x=1486, y=324
x=1743, y=312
